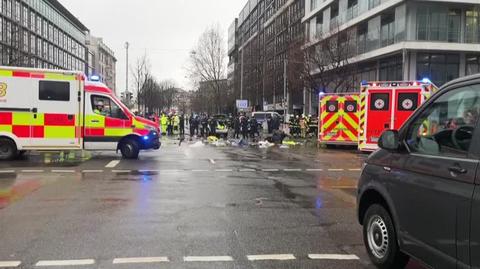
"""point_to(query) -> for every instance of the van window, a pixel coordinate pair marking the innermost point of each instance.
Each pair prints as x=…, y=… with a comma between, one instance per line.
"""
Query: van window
x=380, y=102
x=104, y=106
x=407, y=101
x=446, y=127
x=54, y=91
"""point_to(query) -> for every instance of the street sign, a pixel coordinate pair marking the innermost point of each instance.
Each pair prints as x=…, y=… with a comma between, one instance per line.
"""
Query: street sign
x=242, y=104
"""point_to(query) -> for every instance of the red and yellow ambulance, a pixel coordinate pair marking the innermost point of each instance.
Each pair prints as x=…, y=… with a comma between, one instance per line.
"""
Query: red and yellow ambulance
x=338, y=124
x=60, y=110
x=388, y=105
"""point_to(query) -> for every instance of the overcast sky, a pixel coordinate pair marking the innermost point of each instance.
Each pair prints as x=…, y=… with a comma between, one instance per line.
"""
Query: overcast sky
x=166, y=29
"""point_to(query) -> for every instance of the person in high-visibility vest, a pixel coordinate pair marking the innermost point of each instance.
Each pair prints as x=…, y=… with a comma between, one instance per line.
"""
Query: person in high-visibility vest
x=176, y=123
x=164, y=123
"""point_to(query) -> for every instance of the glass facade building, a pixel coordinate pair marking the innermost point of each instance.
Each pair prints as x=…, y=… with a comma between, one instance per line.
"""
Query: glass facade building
x=400, y=40
x=41, y=34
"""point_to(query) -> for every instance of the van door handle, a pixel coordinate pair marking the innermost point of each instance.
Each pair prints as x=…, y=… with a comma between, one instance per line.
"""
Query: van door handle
x=94, y=121
x=34, y=110
x=457, y=170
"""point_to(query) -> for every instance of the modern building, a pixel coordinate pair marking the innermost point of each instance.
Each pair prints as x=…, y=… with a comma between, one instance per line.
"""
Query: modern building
x=102, y=61
x=267, y=31
x=366, y=40
x=41, y=34
x=233, y=71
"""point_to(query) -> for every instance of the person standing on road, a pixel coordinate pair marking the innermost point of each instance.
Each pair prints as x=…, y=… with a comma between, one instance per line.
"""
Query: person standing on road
x=253, y=127
x=213, y=126
x=244, y=127
x=182, y=124
x=269, y=124
x=204, y=123
x=236, y=127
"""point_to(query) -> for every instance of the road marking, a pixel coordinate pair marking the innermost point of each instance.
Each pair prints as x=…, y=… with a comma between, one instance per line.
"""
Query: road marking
x=7, y=171
x=121, y=171
x=207, y=259
x=270, y=170
x=32, y=171
x=276, y=257
x=140, y=260
x=224, y=170
x=355, y=169
x=212, y=161
x=332, y=257
x=65, y=262
x=92, y=171
x=200, y=170
x=148, y=171
x=336, y=170
x=314, y=170
x=63, y=171
x=292, y=170
x=9, y=264
x=247, y=170
x=112, y=164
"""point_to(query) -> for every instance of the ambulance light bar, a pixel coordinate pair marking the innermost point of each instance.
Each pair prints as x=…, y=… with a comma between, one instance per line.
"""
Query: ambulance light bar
x=396, y=83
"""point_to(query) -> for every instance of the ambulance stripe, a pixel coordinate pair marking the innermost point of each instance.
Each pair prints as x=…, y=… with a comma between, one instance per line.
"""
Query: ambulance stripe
x=21, y=131
x=109, y=122
x=58, y=120
x=21, y=74
x=38, y=131
x=94, y=132
x=6, y=73
x=6, y=118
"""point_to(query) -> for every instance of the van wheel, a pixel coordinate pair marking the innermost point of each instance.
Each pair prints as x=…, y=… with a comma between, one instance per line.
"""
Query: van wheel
x=130, y=149
x=8, y=149
x=380, y=239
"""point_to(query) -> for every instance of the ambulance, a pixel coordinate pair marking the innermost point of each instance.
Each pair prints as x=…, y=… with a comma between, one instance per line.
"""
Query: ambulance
x=387, y=105
x=61, y=110
x=338, y=124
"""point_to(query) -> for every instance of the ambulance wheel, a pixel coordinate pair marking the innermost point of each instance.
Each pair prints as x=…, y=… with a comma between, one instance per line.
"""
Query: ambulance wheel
x=8, y=149
x=130, y=149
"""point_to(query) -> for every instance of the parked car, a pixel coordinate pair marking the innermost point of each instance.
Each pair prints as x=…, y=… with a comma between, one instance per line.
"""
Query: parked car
x=419, y=195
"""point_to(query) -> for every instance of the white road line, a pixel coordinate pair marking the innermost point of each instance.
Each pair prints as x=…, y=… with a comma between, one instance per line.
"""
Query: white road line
x=270, y=170
x=92, y=171
x=212, y=161
x=355, y=169
x=247, y=170
x=65, y=262
x=121, y=171
x=336, y=170
x=148, y=171
x=140, y=260
x=292, y=170
x=7, y=171
x=332, y=257
x=224, y=170
x=112, y=164
x=200, y=170
x=314, y=170
x=207, y=259
x=170, y=171
x=33, y=171
x=276, y=257
x=63, y=171
x=9, y=264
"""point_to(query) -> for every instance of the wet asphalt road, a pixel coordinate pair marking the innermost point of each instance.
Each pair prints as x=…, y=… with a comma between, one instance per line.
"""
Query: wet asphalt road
x=183, y=207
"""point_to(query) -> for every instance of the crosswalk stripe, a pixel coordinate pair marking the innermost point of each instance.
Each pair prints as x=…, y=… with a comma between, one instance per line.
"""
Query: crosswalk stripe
x=65, y=262
x=112, y=164
x=9, y=264
x=332, y=257
x=7, y=171
x=270, y=257
x=207, y=259
x=140, y=260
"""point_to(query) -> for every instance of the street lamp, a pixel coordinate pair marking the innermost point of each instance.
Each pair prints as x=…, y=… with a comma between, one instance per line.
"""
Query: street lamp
x=127, y=46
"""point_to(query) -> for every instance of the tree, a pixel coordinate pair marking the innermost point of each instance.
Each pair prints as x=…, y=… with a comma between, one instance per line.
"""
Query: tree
x=208, y=64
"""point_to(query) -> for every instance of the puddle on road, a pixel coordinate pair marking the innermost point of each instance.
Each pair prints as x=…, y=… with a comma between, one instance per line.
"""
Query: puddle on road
x=13, y=188
x=51, y=158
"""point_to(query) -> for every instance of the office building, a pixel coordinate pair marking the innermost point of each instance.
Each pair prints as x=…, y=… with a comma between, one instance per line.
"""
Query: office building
x=102, y=61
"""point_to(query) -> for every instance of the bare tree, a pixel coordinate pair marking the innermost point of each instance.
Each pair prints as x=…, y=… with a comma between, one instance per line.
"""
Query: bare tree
x=208, y=63
x=328, y=66
x=141, y=76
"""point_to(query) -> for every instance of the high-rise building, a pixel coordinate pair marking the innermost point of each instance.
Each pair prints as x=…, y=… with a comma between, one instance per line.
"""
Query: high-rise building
x=102, y=61
x=391, y=40
x=41, y=34
x=267, y=32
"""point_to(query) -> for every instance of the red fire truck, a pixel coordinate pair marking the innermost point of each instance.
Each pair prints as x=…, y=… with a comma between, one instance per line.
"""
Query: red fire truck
x=387, y=105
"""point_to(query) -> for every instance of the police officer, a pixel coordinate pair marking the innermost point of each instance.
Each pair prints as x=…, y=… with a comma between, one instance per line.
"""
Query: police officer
x=182, y=124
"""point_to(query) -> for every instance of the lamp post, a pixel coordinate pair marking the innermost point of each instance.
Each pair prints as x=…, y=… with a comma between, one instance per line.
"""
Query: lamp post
x=127, y=93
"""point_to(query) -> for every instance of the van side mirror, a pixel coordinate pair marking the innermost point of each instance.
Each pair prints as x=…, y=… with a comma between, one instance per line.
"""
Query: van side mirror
x=389, y=140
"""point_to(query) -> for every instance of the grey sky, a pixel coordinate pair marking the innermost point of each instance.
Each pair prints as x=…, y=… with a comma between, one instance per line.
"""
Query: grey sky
x=165, y=29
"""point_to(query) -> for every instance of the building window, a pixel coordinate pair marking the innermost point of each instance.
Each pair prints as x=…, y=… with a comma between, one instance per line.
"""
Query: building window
x=388, y=29
x=439, y=68
x=352, y=9
x=373, y=3
x=472, y=27
x=391, y=69
x=437, y=23
x=473, y=64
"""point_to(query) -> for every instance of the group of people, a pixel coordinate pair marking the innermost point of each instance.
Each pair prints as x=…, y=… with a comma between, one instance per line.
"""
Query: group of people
x=170, y=124
x=303, y=126
x=245, y=126
x=202, y=125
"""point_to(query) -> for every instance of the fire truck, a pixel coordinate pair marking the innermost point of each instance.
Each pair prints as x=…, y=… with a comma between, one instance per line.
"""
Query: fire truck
x=338, y=124
x=62, y=110
x=387, y=105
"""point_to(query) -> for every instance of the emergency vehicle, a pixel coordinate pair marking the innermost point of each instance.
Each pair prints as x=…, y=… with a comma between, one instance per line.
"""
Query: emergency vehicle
x=338, y=124
x=61, y=110
x=387, y=105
